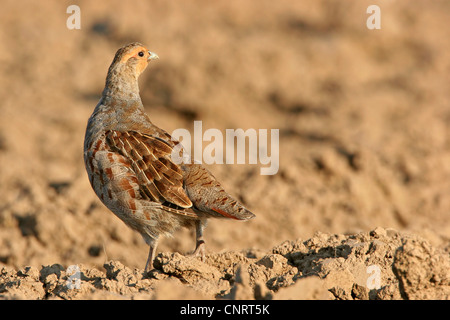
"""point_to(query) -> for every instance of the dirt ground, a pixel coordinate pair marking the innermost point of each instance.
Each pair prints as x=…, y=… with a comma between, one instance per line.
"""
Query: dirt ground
x=360, y=206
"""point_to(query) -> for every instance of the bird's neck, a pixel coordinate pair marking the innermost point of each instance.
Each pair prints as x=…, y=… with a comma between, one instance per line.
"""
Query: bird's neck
x=121, y=84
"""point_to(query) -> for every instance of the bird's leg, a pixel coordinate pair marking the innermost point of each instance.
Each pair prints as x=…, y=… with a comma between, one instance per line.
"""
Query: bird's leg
x=151, y=255
x=200, y=242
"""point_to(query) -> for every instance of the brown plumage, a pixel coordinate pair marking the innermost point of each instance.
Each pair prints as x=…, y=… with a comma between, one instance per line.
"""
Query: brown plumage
x=128, y=161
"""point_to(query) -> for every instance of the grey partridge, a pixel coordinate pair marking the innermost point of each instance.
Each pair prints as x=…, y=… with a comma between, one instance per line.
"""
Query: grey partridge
x=129, y=164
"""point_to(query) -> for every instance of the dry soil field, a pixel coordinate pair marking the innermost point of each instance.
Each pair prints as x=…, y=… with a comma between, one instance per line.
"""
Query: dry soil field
x=360, y=205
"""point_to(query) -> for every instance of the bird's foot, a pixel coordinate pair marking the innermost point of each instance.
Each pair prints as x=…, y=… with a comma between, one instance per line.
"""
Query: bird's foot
x=199, y=250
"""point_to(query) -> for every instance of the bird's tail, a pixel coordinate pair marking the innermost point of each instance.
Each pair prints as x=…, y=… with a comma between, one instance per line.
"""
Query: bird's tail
x=233, y=209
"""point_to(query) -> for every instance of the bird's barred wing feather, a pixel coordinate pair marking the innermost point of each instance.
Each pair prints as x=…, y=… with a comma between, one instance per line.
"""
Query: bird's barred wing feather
x=159, y=178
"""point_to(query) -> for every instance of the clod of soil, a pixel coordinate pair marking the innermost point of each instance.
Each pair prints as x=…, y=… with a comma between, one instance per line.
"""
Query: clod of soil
x=381, y=264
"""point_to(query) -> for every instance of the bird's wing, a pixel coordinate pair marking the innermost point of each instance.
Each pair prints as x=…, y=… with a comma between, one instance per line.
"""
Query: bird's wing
x=159, y=178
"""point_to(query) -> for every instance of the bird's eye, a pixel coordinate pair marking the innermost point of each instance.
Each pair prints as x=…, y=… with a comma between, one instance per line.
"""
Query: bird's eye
x=141, y=54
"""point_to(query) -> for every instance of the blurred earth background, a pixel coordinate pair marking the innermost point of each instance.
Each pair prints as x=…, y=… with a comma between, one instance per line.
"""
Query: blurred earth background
x=364, y=146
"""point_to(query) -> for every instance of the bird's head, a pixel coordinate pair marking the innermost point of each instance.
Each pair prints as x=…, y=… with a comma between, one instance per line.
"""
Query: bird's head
x=135, y=57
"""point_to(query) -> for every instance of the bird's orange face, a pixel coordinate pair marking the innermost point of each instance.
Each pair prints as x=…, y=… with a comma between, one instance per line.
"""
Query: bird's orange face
x=139, y=56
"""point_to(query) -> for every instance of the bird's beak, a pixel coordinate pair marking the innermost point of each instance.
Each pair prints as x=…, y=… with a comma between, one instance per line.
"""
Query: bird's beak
x=152, y=56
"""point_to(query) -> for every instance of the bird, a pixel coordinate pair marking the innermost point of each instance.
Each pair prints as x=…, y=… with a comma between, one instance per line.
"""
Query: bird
x=130, y=166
